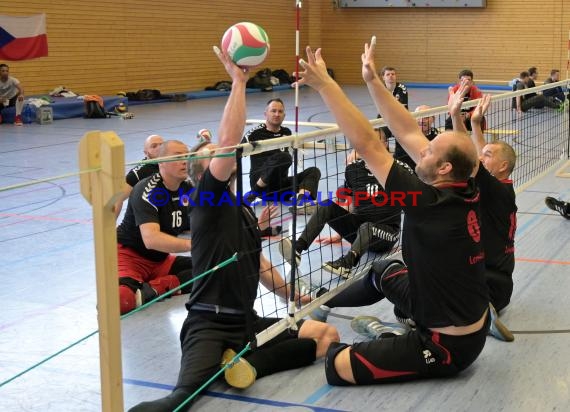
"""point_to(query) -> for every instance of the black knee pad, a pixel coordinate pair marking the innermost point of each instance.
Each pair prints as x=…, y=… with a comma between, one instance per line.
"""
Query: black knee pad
x=385, y=268
x=382, y=266
x=330, y=371
x=131, y=283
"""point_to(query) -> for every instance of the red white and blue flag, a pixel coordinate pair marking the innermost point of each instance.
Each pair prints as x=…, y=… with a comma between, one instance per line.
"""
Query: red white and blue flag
x=23, y=38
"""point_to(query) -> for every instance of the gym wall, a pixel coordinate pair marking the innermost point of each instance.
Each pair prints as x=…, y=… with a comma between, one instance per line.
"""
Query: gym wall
x=106, y=46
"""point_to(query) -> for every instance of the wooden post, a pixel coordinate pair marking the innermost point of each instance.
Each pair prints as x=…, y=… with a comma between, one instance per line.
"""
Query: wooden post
x=105, y=150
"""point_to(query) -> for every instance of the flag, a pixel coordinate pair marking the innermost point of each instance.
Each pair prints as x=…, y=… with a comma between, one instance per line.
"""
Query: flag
x=23, y=38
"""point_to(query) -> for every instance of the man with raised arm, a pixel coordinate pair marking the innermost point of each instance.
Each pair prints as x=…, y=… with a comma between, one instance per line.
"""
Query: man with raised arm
x=498, y=209
x=443, y=288
x=221, y=318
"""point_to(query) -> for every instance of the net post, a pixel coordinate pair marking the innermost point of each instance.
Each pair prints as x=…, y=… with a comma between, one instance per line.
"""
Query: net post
x=105, y=150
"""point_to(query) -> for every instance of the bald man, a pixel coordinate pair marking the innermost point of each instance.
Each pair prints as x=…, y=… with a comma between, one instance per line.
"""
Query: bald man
x=148, y=237
x=442, y=285
x=151, y=149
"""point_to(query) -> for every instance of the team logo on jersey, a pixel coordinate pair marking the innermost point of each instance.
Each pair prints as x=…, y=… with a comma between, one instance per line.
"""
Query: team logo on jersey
x=428, y=356
x=473, y=226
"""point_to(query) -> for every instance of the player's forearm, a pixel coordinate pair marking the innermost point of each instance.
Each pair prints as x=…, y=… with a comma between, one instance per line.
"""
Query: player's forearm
x=477, y=135
x=392, y=111
x=458, y=123
x=233, y=119
x=401, y=123
x=352, y=122
x=166, y=243
x=270, y=277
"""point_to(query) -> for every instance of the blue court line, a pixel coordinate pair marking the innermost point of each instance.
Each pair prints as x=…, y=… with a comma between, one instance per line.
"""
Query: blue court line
x=318, y=394
x=234, y=397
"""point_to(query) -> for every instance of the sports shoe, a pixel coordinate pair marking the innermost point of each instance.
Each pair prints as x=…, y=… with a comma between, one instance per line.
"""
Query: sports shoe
x=239, y=374
x=285, y=248
x=342, y=266
x=18, y=121
x=271, y=231
x=305, y=206
x=321, y=313
x=558, y=206
x=145, y=294
x=401, y=317
x=372, y=328
x=498, y=330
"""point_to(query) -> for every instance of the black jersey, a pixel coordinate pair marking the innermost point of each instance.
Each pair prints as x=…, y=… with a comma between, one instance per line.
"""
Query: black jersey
x=402, y=155
x=219, y=230
x=259, y=133
x=443, y=249
x=359, y=180
x=151, y=202
x=401, y=94
x=498, y=221
x=140, y=172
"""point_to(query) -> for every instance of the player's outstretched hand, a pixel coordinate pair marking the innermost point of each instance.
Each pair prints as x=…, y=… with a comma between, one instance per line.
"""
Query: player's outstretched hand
x=237, y=73
x=456, y=99
x=368, y=65
x=315, y=71
x=481, y=109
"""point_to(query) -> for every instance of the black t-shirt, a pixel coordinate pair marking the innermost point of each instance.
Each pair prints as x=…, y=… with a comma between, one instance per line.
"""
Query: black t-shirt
x=259, y=133
x=151, y=202
x=402, y=155
x=401, y=94
x=442, y=247
x=529, y=85
x=140, y=172
x=359, y=180
x=498, y=221
x=219, y=230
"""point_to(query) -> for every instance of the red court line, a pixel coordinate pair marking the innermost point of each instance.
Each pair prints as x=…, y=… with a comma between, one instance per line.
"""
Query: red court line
x=550, y=262
x=44, y=218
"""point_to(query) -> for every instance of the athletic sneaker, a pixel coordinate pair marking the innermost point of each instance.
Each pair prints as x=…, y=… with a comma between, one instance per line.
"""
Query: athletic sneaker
x=239, y=374
x=304, y=206
x=145, y=294
x=401, y=317
x=498, y=330
x=271, y=231
x=285, y=248
x=372, y=328
x=342, y=266
x=18, y=121
x=321, y=313
x=558, y=206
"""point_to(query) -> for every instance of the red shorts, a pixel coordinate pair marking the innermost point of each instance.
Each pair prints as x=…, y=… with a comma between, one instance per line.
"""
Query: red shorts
x=133, y=265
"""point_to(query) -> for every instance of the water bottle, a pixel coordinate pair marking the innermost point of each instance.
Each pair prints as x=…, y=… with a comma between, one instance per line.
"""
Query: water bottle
x=28, y=114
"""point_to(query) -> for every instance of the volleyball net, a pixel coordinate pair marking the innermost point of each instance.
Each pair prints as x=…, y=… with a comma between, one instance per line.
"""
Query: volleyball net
x=540, y=137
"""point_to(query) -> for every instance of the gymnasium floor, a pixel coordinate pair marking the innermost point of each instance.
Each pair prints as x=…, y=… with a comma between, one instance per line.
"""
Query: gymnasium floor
x=48, y=290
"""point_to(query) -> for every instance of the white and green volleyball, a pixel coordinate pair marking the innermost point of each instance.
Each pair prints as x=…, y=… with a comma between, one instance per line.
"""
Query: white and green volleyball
x=246, y=43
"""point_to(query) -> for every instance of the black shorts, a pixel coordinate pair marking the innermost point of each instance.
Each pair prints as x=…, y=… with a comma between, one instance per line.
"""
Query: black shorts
x=418, y=354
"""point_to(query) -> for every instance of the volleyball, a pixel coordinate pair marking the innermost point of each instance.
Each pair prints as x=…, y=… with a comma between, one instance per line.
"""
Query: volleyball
x=246, y=43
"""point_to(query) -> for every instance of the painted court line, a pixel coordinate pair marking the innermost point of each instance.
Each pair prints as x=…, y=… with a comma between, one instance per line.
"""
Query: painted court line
x=547, y=261
x=234, y=397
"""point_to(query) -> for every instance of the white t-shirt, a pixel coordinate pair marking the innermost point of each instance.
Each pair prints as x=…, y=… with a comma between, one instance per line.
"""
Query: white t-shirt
x=9, y=89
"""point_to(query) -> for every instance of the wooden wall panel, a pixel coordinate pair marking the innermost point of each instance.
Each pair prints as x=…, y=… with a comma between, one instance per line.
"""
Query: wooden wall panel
x=106, y=46
x=432, y=45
